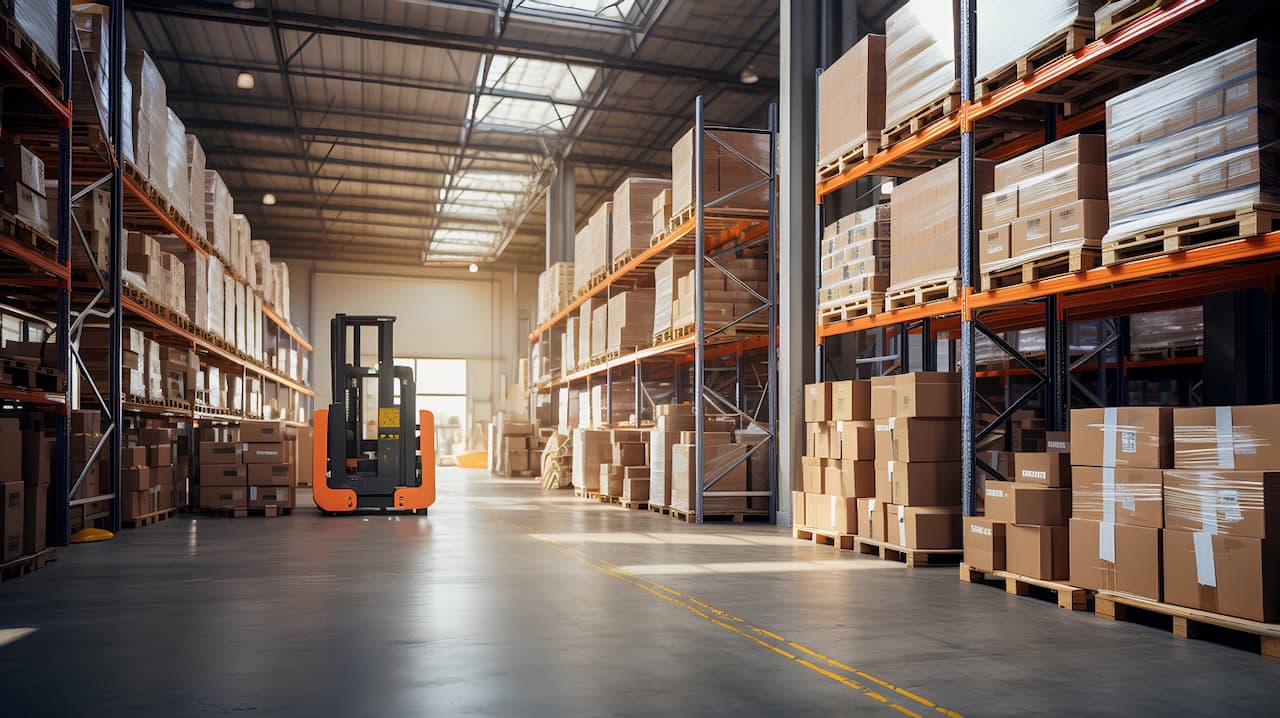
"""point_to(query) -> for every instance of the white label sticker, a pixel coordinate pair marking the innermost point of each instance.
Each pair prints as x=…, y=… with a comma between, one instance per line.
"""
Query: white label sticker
x=1128, y=442
x=1229, y=506
x=995, y=493
x=871, y=507
x=980, y=530
x=1127, y=498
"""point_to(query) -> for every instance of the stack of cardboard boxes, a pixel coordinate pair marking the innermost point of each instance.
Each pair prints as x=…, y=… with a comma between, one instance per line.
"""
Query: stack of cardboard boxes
x=591, y=449
x=921, y=58
x=661, y=213
x=633, y=215
x=722, y=457
x=515, y=447
x=724, y=170
x=149, y=473
x=723, y=297
x=1046, y=202
x=555, y=289
x=22, y=191
x=246, y=466
x=839, y=461
x=851, y=100
x=24, y=489
x=1024, y=530
x=627, y=475
x=855, y=261
x=591, y=246
x=670, y=420
x=630, y=321
x=86, y=432
x=666, y=294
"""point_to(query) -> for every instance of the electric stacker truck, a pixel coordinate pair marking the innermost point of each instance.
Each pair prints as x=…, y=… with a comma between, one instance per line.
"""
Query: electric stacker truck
x=393, y=472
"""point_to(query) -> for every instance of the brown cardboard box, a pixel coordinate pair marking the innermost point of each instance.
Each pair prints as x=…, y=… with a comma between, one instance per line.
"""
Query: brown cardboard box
x=36, y=458
x=999, y=207
x=161, y=475
x=850, y=400
x=1058, y=441
x=135, y=504
x=223, y=475
x=857, y=440
x=883, y=397
x=11, y=443
x=1074, y=150
x=851, y=98
x=797, y=509
x=160, y=455
x=1251, y=442
x=631, y=453
x=216, y=497
x=1136, y=436
x=34, y=518
x=270, y=474
x=278, y=496
x=1043, y=469
x=12, y=515
x=866, y=517
x=1038, y=552
x=882, y=513
x=1040, y=506
x=850, y=478
x=273, y=453
x=133, y=456
x=1010, y=172
x=220, y=452
x=137, y=478
x=994, y=244
x=1136, y=496
x=1030, y=232
x=984, y=543
x=927, y=394
x=1235, y=575
x=998, y=500
x=926, y=483
x=820, y=435
x=918, y=440
x=1062, y=186
x=1085, y=219
x=817, y=402
x=885, y=474
x=1232, y=503
x=835, y=443
x=811, y=475
x=263, y=432
x=831, y=513
x=925, y=527
x=1127, y=562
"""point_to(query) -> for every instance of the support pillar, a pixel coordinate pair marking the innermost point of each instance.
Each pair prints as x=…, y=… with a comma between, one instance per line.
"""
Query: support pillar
x=561, y=213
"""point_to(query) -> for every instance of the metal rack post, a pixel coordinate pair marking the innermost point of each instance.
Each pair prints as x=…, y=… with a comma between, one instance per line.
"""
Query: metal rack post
x=700, y=342
x=968, y=365
x=60, y=511
x=116, y=114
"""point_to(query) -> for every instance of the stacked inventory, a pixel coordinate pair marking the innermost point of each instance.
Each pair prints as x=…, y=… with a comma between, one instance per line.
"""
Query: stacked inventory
x=851, y=104
x=921, y=65
x=855, y=265
x=724, y=298
x=592, y=449
x=514, y=447
x=732, y=162
x=22, y=191
x=665, y=295
x=246, y=466
x=1028, y=33
x=633, y=216
x=1030, y=513
x=839, y=461
x=24, y=489
x=555, y=289
x=722, y=461
x=627, y=474
x=661, y=213
x=591, y=248
x=148, y=475
x=670, y=421
x=1192, y=148
x=88, y=471
x=630, y=319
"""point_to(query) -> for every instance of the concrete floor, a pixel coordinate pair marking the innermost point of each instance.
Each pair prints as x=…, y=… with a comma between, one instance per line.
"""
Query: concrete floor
x=512, y=603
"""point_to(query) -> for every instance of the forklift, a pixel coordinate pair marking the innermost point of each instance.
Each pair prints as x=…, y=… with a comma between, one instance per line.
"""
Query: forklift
x=391, y=472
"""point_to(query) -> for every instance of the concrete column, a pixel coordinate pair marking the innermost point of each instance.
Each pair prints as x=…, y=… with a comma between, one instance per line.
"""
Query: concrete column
x=561, y=213
x=797, y=240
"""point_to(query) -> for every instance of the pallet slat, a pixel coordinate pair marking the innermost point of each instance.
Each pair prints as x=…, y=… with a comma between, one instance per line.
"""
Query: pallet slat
x=911, y=556
x=825, y=538
x=931, y=112
x=1062, y=43
x=1068, y=596
x=922, y=293
x=1187, y=622
x=864, y=304
x=1193, y=232
x=1057, y=264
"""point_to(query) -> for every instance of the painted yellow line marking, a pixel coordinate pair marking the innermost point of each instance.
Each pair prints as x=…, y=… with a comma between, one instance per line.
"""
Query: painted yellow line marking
x=714, y=616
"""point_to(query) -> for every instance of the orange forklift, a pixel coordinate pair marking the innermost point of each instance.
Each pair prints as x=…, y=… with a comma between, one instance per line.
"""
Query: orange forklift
x=395, y=471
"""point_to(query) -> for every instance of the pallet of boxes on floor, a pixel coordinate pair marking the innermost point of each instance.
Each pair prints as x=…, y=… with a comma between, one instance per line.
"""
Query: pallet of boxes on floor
x=246, y=469
x=513, y=447
x=26, y=444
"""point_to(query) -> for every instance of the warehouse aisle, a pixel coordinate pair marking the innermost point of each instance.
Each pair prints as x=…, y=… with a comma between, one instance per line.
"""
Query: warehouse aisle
x=508, y=602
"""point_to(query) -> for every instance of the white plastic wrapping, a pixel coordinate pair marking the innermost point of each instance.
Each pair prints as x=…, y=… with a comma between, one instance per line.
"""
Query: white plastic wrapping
x=1010, y=30
x=176, y=179
x=39, y=20
x=218, y=209
x=925, y=226
x=555, y=289
x=195, y=184
x=919, y=56
x=1161, y=330
x=665, y=277
x=282, y=291
x=1192, y=143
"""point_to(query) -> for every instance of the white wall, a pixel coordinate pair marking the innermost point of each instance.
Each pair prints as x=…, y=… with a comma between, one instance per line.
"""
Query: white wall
x=449, y=313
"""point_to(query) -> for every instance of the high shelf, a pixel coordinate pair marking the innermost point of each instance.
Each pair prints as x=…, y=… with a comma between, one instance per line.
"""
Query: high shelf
x=728, y=368
x=43, y=277
x=1110, y=293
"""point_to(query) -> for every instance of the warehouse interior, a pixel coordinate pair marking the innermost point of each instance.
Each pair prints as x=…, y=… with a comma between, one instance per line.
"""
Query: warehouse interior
x=584, y=357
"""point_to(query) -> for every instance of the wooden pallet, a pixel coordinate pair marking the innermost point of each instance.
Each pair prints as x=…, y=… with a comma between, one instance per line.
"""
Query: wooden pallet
x=631, y=504
x=923, y=293
x=620, y=261
x=586, y=494
x=239, y=512
x=1068, y=261
x=155, y=517
x=1125, y=12
x=825, y=538
x=931, y=112
x=1064, y=42
x=27, y=234
x=1169, y=352
x=855, y=153
x=863, y=305
x=1189, y=622
x=41, y=65
x=912, y=556
x=24, y=565
x=31, y=375
x=736, y=517
x=1195, y=232
x=1069, y=597
x=663, y=510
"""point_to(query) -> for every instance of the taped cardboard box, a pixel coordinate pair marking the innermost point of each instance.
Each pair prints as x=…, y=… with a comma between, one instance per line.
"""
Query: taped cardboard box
x=857, y=440
x=1133, y=497
x=984, y=543
x=817, y=402
x=917, y=439
x=1140, y=437
x=1116, y=557
x=851, y=99
x=927, y=394
x=923, y=483
x=924, y=527
x=1226, y=437
x=856, y=479
x=1043, y=469
x=850, y=400
x=831, y=513
x=1234, y=575
x=1232, y=503
x=1038, y=551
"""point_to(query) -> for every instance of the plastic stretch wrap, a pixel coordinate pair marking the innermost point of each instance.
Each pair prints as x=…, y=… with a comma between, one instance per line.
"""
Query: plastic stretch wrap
x=925, y=226
x=176, y=177
x=263, y=270
x=1009, y=30
x=591, y=246
x=149, y=113
x=599, y=329
x=1230, y=503
x=664, y=294
x=555, y=288
x=919, y=56
x=851, y=99
x=241, y=241
x=218, y=209
x=195, y=183
x=1133, y=497
x=630, y=320
x=39, y=20
x=282, y=300
x=1172, y=328
x=569, y=346
x=1226, y=437
x=1195, y=142
x=633, y=214
x=585, y=311
x=723, y=171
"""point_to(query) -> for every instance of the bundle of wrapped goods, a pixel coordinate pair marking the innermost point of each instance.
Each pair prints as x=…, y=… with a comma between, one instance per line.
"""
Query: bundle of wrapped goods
x=633, y=216
x=1192, y=145
x=599, y=328
x=629, y=464
x=1117, y=455
x=555, y=289
x=1220, y=511
x=585, y=311
x=855, y=263
x=851, y=100
x=241, y=241
x=591, y=449
x=90, y=79
x=30, y=457
x=215, y=285
x=1012, y=31
x=150, y=112
x=194, y=185
x=670, y=420
x=837, y=469
x=1049, y=201
x=235, y=393
x=270, y=470
x=178, y=369
x=516, y=448
x=665, y=277
x=917, y=460
x=223, y=479
x=567, y=404
x=152, y=371
x=720, y=298
x=1165, y=331
x=723, y=170
x=242, y=316
x=22, y=190
x=926, y=231
x=142, y=260
x=194, y=299
x=623, y=393
x=175, y=281
x=229, y=309
x=569, y=346
x=661, y=212
x=630, y=320
x=591, y=247
x=178, y=181
x=39, y=22
x=95, y=344
x=218, y=209
x=921, y=60
x=721, y=457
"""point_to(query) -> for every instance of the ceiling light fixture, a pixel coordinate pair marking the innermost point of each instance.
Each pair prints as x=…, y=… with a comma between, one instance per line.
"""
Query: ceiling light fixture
x=244, y=81
x=749, y=76
x=243, y=4
x=473, y=268
x=268, y=199
x=886, y=189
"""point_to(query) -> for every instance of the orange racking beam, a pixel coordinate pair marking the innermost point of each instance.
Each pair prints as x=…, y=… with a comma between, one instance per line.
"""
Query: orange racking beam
x=136, y=190
x=280, y=322
x=14, y=248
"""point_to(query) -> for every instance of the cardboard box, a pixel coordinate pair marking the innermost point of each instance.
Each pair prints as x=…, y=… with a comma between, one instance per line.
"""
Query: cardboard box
x=1235, y=575
x=160, y=455
x=220, y=452
x=631, y=453
x=1082, y=220
x=1038, y=552
x=850, y=478
x=1040, y=506
x=850, y=400
x=1232, y=503
x=1115, y=557
x=1012, y=171
x=883, y=397
x=851, y=98
x=1135, y=496
x=998, y=500
x=999, y=207
x=1130, y=436
x=867, y=516
x=857, y=440
x=265, y=453
x=1043, y=469
x=831, y=513
x=811, y=474
x=135, y=479
x=12, y=515
x=984, y=544
x=883, y=513
x=1061, y=186
x=927, y=394
x=1074, y=150
x=817, y=402
x=36, y=457
x=925, y=527
x=1058, y=442
x=86, y=421
x=278, y=496
x=271, y=474
x=1229, y=437
x=223, y=475
x=218, y=497
x=917, y=440
x=797, y=509
x=263, y=432
x=34, y=518
x=926, y=483
x=994, y=244
x=1030, y=232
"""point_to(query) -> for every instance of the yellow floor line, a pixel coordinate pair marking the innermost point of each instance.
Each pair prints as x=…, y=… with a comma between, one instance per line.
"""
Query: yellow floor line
x=694, y=606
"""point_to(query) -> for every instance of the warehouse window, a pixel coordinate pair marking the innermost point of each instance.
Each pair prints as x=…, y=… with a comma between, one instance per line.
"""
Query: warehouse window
x=441, y=388
x=606, y=9
x=562, y=83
